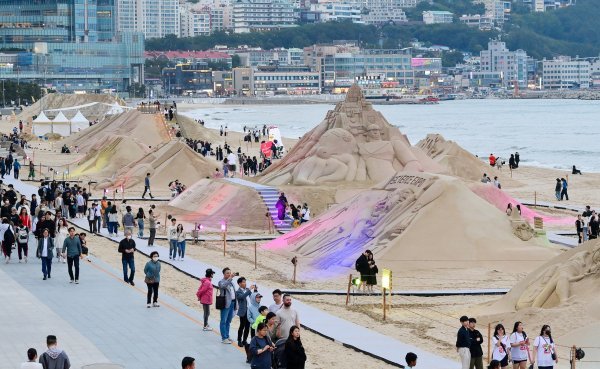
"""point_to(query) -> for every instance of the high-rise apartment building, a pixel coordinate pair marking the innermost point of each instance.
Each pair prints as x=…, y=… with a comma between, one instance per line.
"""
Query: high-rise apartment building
x=154, y=18
x=262, y=15
x=511, y=65
x=564, y=72
x=69, y=45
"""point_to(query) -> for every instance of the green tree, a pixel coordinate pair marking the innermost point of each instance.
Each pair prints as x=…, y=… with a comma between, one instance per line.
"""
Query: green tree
x=451, y=58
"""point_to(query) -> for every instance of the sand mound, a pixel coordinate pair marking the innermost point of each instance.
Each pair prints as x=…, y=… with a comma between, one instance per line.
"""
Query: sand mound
x=563, y=292
x=208, y=202
x=174, y=160
x=353, y=143
x=456, y=160
x=143, y=129
x=414, y=221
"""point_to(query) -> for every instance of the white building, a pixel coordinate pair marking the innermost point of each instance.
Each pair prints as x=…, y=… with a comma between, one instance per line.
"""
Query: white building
x=483, y=22
x=338, y=11
x=435, y=17
x=201, y=21
x=155, y=18
x=511, y=65
x=262, y=15
x=565, y=72
x=498, y=10
x=379, y=16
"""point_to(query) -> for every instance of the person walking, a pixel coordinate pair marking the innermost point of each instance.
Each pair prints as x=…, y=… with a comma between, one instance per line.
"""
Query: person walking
x=22, y=240
x=128, y=220
x=295, y=356
x=73, y=252
x=261, y=349
x=519, y=347
x=288, y=317
x=45, y=251
x=227, y=290
x=475, y=348
x=147, y=186
x=152, y=279
x=16, y=168
x=54, y=358
x=140, y=217
x=501, y=345
x=113, y=221
x=558, y=189
x=31, y=363
x=8, y=239
x=31, y=175
x=151, y=227
x=127, y=250
x=545, y=349
x=205, y=296
x=92, y=214
x=241, y=297
x=172, y=236
x=62, y=232
x=579, y=226
x=180, y=241
x=463, y=343
x=565, y=186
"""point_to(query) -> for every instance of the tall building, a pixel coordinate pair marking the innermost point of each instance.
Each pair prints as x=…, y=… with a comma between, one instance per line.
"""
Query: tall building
x=511, y=65
x=564, y=72
x=69, y=45
x=201, y=21
x=262, y=15
x=437, y=16
x=154, y=18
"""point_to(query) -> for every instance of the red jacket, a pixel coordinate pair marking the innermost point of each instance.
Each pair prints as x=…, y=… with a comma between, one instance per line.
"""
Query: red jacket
x=205, y=291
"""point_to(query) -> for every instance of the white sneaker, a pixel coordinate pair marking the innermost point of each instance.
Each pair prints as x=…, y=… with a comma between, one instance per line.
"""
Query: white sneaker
x=226, y=341
x=156, y=305
x=207, y=328
x=148, y=306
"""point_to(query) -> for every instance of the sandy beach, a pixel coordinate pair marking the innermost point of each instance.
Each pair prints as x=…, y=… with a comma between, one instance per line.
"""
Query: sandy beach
x=427, y=322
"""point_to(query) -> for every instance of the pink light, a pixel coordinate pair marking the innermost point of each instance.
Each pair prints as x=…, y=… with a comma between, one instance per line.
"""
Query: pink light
x=200, y=227
x=223, y=226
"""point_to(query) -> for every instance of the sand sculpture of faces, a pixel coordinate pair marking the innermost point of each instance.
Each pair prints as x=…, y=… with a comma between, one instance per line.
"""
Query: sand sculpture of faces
x=333, y=159
x=554, y=286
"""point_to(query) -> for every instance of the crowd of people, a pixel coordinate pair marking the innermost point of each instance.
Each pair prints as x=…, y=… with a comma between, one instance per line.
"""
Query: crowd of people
x=514, y=347
x=513, y=161
x=587, y=225
x=297, y=213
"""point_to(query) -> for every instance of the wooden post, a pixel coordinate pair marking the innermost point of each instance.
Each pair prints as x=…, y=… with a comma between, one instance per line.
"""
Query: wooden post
x=573, y=358
x=489, y=341
x=224, y=242
x=255, y=261
x=295, y=262
x=384, y=293
x=166, y=231
x=535, y=199
x=348, y=293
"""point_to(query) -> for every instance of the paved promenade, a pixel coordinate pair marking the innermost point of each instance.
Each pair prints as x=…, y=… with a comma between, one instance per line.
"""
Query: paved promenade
x=101, y=320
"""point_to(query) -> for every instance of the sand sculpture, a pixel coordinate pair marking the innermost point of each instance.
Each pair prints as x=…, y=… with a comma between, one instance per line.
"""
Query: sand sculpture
x=353, y=143
x=453, y=158
x=414, y=220
x=210, y=202
x=553, y=286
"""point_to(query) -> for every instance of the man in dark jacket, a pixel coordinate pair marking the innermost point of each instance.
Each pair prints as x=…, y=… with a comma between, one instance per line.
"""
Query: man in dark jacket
x=362, y=266
x=127, y=250
x=54, y=358
x=11, y=195
x=46, y=223
x=476, y=341
x=463, y=343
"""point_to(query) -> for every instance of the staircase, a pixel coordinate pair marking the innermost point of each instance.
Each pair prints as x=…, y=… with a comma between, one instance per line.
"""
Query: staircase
x=269, y=195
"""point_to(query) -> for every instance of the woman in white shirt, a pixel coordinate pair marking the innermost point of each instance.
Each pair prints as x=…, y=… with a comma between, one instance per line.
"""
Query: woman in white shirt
x=545, y=349
x=501, y=346
x=519, y=347
x=62, y=233
x=180, y=241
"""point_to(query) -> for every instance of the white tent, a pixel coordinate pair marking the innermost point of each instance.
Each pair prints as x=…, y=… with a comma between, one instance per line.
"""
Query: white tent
x=61, y=125
x=42, y=125
x=79, y=122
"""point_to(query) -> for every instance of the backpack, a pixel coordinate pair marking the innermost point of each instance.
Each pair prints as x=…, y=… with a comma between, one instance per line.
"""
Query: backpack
x=9, y=237
x=41, y=192
x=23, y=235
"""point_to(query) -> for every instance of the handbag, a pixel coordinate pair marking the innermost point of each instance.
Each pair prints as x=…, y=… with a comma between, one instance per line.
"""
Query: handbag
x=148, y=280
x=552, y=350
x=220, y=301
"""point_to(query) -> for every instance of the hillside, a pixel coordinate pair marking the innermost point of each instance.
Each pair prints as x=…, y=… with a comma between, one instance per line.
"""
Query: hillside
x=568, y=31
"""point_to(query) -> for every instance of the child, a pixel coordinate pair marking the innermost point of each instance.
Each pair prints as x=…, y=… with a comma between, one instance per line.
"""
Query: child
x=263, y=311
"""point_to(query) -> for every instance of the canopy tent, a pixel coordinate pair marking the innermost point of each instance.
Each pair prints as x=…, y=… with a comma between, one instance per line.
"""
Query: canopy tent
x=61, y=125
x=42, y=125
x=79, y=122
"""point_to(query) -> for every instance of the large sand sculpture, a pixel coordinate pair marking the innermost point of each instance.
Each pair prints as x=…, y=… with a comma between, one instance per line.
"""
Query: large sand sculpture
x=173, y=160
x=353, y=143
x=414, y=221
x=563, y=292
x=453, y=158
x=210, y=202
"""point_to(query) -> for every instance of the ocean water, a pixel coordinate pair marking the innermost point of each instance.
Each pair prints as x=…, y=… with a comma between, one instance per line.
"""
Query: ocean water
x=547, y=133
